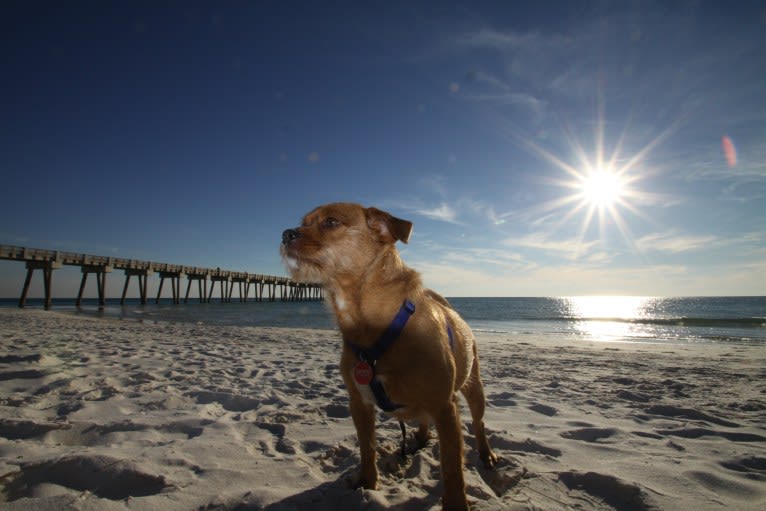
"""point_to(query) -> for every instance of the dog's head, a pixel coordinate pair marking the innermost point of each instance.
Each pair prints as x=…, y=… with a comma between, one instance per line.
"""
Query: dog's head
x=340, y=239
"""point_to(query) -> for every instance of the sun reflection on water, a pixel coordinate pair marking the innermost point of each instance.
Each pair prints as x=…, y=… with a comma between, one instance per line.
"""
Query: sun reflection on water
x=609, y=318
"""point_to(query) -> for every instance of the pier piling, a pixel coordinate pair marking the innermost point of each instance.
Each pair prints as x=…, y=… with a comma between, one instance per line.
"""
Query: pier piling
x=100, y=271
x=142, y=274
x=223, y=278
x=47, y=266
x=200, y=276
x=175, y=284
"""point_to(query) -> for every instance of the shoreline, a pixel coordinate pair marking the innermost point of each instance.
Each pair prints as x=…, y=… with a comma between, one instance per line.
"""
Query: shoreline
x=183, y=416
x=685, y=321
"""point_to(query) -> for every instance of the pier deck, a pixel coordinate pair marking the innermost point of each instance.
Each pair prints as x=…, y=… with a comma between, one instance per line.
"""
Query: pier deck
x=266, y=287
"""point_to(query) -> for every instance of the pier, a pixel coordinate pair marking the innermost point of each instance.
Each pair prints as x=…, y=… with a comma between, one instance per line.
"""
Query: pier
x=264, y=287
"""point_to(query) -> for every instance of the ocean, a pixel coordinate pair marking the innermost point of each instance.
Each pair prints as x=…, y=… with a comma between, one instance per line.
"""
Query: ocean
x=689, y=320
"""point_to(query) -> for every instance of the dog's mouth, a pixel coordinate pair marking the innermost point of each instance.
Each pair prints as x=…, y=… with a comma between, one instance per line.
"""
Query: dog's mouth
x=302, y=270
x=301, y=267
x=291, y=256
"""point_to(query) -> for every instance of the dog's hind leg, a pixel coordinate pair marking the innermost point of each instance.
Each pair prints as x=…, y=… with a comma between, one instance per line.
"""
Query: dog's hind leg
x=451, y=446
x=422, y=435
x=473, y=391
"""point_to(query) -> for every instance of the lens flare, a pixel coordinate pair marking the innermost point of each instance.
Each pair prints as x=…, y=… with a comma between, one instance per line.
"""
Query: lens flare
x=729, y=151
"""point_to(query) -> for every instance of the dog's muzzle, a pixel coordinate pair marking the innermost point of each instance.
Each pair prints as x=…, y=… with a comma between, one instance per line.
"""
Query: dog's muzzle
x=290, y=235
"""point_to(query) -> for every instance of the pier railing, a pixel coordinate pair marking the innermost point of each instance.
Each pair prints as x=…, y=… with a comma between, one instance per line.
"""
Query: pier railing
x=265, y=287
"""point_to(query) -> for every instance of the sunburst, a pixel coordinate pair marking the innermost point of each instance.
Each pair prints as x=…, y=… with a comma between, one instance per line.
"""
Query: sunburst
x=603, y=186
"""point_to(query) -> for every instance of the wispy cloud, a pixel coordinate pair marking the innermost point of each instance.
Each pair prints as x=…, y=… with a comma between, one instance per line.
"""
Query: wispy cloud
x=487, y=256
x=568, y=248
x=487, y=87
x=521, y=100
x=443, y=213
x=463, y=211
x=456, y=279
x=749, y=244
x=745, y=182
x=496, y=90
x=558, y=63
x=600, y=258
x=674, y=242
x=435, y=184
x=510, y=40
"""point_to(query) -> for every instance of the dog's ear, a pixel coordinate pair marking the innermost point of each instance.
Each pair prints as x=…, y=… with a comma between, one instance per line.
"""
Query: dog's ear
x=388, y=227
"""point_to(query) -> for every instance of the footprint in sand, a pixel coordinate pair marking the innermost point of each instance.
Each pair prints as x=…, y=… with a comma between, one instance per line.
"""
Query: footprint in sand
x=229, y=402
x=688, y=414
x=283, y=444
x=15, y=359
x=700, y=432
x=753, y=466
x=21, y=429
x=504, y=477
x=721, y=485
x=24, y=374
x=337, y=411
x=546, y=410
x=609, y=489
x=589, y=434
x=526, y=446
x=502, y=399
x=105, y=477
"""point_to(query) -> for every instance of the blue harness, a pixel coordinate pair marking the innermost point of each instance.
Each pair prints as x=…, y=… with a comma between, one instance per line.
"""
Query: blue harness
x=368, y=357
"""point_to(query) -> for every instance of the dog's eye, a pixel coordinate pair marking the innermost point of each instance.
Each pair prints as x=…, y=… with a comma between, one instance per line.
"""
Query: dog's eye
x=329, y=223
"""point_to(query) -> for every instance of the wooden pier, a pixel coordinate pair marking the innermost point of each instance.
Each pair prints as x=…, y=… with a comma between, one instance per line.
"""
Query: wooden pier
x=265, y=287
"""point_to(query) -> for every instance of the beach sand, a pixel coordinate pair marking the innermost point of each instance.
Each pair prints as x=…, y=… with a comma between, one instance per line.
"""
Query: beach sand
x=117, y=414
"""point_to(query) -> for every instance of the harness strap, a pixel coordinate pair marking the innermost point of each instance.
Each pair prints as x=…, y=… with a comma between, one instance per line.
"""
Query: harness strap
x=372, y=354
x=384, y=402
x=384, y=342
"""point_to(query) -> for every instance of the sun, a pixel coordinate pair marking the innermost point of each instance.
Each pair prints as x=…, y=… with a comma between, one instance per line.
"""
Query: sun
x=602, y=187
x=603, y=190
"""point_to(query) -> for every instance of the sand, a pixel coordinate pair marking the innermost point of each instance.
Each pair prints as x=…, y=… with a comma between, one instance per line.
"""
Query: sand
x=117, y=414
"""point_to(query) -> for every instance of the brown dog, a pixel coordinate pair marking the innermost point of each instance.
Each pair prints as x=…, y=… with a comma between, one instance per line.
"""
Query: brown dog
x=405, y=349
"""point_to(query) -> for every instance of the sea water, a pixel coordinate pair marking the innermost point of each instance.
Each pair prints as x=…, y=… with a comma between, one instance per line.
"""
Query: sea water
x=622, y=318
x=565, y=319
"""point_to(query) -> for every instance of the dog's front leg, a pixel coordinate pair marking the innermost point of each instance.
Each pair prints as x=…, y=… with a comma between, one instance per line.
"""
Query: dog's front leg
x=451, y=447
x=364, y=420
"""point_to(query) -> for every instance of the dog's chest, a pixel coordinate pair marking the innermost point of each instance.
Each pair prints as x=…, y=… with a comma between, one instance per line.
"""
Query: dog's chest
x=364, y=390
x=377, y=397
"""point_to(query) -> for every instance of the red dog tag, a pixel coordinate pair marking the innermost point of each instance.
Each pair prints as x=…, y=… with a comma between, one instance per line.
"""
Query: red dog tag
x=363, y=373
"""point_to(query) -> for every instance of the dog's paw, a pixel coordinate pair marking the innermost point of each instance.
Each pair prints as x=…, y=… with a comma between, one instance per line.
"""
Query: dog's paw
x=358, y=481
x=489, y=459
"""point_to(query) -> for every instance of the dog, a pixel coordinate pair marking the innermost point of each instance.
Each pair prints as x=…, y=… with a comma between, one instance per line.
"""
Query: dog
x=405, y=349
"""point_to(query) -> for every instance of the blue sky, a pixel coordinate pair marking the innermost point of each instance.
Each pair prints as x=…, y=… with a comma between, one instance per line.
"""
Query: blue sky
x=195, y=132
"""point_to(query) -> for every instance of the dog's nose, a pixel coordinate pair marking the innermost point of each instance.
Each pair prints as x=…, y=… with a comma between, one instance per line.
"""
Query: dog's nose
x=289, y=235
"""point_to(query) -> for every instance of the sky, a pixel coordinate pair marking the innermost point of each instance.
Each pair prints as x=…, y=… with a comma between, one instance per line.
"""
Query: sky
x=539, y=148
